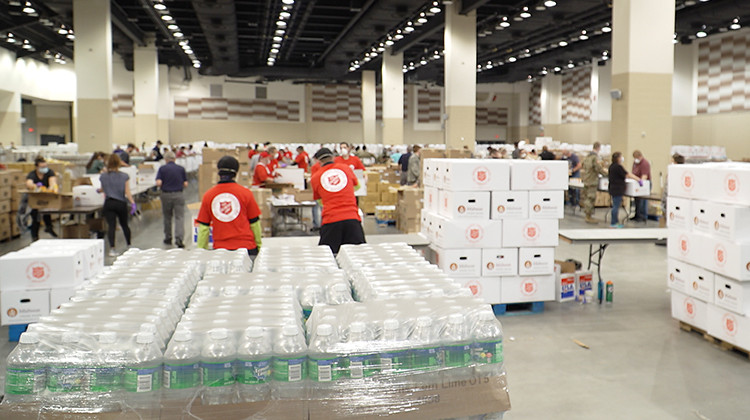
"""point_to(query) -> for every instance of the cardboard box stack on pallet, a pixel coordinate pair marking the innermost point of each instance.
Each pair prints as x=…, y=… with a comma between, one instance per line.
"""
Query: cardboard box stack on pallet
x=708, y=215
x=44, y=275
x=494, y=223
x=262, y=195
x=382, y=185
x=208, y=175
x=11, y=183
x=409, y=208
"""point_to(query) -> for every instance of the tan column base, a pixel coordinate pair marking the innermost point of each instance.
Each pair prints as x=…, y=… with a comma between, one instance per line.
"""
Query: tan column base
x=393, y=131
x=10, y=128
x=460, y=128
x=163, y=131
x=642, y=120
x=93, y=125
x=146, y=128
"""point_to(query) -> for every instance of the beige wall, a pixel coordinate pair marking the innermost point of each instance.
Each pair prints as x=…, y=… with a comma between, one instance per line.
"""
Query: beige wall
x=731, y=130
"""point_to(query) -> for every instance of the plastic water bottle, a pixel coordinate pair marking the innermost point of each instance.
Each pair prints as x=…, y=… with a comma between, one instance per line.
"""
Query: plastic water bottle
x=311, y=295
x=143, y=372
x=324, y=368
x=289, y=365
x=488, y=350
x=67, y=376
x=425, y=350
x=217, y=363
x=394, y=357
x=26, y=372
x=182, y=371
x=361, y=364
x=105, y=377
x=339, y=293
x=254, y=366
x=456, y=350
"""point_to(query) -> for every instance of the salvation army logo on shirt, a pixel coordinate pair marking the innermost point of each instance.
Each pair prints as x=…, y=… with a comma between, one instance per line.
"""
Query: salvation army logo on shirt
x=481, y=175
x=541, y=175
x=225, y=207
x=334, y=180
x=731, y=184
x=37, y=272
x=690, y=307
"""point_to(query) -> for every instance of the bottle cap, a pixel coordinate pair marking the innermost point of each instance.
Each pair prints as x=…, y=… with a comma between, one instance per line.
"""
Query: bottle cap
x=456, y=319
x=148, y=328
x=144, y=338
x=325, y=330
x=290, y=330
x=182, y=335
x=424, y=321
x=29, y=338
x=219, y=334
x=390, y=324
x=357, y=327
x=108, y=337
x=254, y=332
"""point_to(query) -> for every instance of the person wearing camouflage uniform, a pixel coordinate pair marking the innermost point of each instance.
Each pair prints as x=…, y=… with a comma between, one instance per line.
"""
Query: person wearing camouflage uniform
x=592, y=168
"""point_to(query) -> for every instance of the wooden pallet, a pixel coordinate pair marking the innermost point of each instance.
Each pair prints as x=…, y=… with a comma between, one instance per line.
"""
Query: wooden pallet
x=525, y=308
x=713, y=340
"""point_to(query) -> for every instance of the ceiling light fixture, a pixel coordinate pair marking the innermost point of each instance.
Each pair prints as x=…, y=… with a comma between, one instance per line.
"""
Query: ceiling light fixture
x=525, y=13
x=435, y=8
x=583, y=35
x=571, y=65
x=512, y=59
x=735, y=24
x=607, y=28
x=550, y=3
x=173, y=27
x=702, y=32
x=178, y=34
x=505, y=22
x=563, y=43
x=160, y=6
x=166, y=18
x=28, y=9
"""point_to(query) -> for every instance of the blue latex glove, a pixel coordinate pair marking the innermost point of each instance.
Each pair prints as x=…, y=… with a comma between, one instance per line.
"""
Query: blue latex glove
x=132, y=208
x=640, y=182
x=39, y=184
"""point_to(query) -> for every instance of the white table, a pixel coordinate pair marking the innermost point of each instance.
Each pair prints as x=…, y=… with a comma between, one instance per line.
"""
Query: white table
x=412, y=239
x=602, y=238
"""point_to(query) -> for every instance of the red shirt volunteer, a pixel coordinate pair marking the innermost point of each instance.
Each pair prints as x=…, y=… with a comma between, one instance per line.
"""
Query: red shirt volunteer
x=353, y=162
x=315, y=168
x=263, y=171
x=230, y=209
x=302, y=159
x=334, y=184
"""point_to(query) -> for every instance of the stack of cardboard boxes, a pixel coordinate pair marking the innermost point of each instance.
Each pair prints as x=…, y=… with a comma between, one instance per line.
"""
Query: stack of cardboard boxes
x=494, y=224
x=11, y=183
x=708, y=215
x=380, y=191
x=409, y=208
x=262, y=195
x=44, y=275
x=208, y=175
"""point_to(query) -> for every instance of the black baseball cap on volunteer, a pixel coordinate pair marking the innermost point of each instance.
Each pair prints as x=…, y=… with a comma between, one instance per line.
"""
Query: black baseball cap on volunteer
x=228, y=165
x=323, y=153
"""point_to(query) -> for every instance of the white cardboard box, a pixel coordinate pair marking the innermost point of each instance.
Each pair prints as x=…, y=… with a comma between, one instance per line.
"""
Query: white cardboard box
x=510, y=205
x=536, y=261
x=93, y=251
x=60, y=295
x=294, y=176
x=465, y=205
x=86, y=195
x=700, y=216
x=565, y=285
x=23, y=306
x=729, y=221
x=425, y=226
x=729, y=183
x=485, y=288
x=729, y=326
x=29, y=269
x=546, y=204
x=684, y=245
x=539, y=175
x=724, y=257
x=459, y=262
x=132, y=172
x=457, y=234
x=475, y=174
x=634, y=189
x=530, y=233
x=430, y=201
x=516, y=289
x=678, y=274
x=428, y=172
x=584, y=282
x=679, y=212
x=689, y=310
x=688, y=181
x=700, y=284
x=731, y=294
x=499, y=262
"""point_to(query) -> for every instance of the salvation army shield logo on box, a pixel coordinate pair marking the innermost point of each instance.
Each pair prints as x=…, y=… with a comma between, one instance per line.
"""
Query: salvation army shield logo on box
x=720, y=255
x=481, y=175
x=687, y=181
x=690, y=307
x=37, y=272
x=334, y=180
x=541, y=175
x=729, y=324
x=475, y=287
x=474, y=233
x=684, y=245
x=529, y=287
x=731, y=184
x=531, y=231
x=225, y=207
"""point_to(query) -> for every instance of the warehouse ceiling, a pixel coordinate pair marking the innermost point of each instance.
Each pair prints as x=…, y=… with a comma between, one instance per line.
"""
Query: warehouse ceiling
x=333, y=40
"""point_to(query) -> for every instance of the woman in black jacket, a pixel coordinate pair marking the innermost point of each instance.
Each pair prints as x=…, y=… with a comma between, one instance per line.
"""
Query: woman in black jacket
x=617, y=176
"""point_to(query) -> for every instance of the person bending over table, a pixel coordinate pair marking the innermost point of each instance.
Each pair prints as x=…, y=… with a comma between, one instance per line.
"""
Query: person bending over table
x=617, y=176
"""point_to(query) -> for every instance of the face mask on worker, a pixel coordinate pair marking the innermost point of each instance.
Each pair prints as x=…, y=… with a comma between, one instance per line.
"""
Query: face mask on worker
x=44, y=170
x=345, y=151
x=637, y=161
x=622, y=160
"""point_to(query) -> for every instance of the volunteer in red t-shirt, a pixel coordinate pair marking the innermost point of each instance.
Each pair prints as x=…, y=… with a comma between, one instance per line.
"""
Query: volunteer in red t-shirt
x=302, y=159
x=263, y=172
x=274, y=161
x=346, y=158
x=333, y=185
x=230, y=209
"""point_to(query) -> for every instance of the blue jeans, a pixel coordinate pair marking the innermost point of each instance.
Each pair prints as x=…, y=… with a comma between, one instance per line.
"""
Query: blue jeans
x=641, y=208
x=616, y=203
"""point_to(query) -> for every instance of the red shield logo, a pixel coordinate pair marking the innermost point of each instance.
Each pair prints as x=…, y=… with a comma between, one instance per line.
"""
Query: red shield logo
x=732, y=184
x=684, y=245
x=541, y=175
x=730, y=324
x=474, y=289
x=474, y=233
x=225, y=207
x=687, y=181
x=689, y=308
x=720, y=255
x=334, y=180
x=481, y=175
x=528, y=288
x=37, y=272
x=531, y=231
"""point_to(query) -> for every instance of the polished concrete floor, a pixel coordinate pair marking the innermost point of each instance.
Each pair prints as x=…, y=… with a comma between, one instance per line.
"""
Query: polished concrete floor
x=640, y=365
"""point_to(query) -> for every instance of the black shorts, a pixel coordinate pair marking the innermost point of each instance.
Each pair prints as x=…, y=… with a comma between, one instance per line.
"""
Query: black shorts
x=340, y=233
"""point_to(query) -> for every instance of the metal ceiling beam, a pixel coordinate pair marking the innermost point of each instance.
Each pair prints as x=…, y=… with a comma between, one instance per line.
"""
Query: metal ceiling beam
x=149, y=9
x=471, y=5
x=300, y=27
x=428, y=30
x=344, y=32
x=120, y=20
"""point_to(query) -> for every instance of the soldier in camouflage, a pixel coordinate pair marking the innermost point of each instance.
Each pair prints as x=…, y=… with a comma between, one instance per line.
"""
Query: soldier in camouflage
x=592, y=168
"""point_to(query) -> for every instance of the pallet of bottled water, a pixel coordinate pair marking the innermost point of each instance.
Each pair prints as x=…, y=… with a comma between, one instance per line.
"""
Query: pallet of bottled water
x=410, y=358
x=300, y=259
x=399, y=254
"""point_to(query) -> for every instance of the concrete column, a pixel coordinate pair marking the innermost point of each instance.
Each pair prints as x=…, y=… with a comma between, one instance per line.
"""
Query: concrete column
x=10, y=118
x=146, y=92
x=369, y=127
x=166, y=105
x=393, y=98
x=551, y=101
x=642, y=66
x=93, y=66
x=460, y=41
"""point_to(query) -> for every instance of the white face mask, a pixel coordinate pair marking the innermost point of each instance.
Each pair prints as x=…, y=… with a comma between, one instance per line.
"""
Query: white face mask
x=637, y=161
x=622, y=160
x=345, y=151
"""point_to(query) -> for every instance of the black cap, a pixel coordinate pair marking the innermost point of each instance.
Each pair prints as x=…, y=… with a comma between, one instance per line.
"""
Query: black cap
x=323, y=153
x=228, y=164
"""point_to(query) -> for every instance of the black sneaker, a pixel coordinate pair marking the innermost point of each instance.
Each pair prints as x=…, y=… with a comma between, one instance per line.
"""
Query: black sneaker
x=167, y=242
x=179, y=244
x=51, y=232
